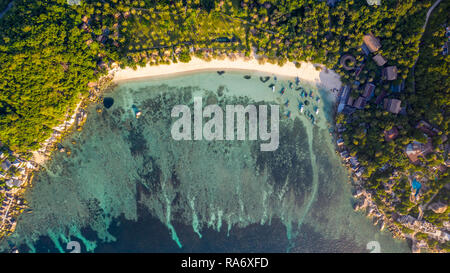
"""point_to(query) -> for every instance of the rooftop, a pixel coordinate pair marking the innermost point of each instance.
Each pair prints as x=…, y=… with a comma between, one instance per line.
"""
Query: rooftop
x=368, y=90
x=391, y=134
x=390, y=73
x=392, y=105
x=360, y=103
x=379, y=59
x=372, y=43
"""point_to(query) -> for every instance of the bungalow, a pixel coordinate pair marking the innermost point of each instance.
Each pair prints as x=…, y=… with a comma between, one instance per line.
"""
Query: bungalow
x=390, y=73
x=368, y=91
x=17, y=163
x=372, y=43
x=392, y=105
x=379, y=59
x=360, y=172
x=360, y=103
x=85, y=26
x=354, y=161
x=102, y=39
x=345, y=155
x=85, y=19
x=350, y=101
x=6, y=165
x=391, y=134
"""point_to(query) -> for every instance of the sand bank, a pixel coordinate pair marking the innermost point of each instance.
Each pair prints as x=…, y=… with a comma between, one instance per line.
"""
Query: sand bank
x=307, y=72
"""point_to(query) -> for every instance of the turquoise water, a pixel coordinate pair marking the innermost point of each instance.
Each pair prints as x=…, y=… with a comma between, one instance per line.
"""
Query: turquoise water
x=128, y=186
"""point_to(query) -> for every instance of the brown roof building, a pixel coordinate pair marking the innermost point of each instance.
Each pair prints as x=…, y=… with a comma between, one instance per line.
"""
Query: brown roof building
x=360, y=103
x=379, y=59
x=416, y=149
x=390, y=73
x=350, y=101
x=392, y=105
x=372, y=43
x=368, y=90
x=391, y=134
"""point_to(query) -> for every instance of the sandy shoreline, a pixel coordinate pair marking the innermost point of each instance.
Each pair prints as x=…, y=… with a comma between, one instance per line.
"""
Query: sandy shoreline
x=306, y=72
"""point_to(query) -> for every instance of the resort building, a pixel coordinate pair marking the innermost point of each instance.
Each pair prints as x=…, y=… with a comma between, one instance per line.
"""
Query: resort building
x=392, y=105
x=360, y=172
x=350, y=101
x=360, y=103
x=390, y=73
x=368, y=91
x=343, y=99
x=371, y=42
x=416, y=149
x=379, y=60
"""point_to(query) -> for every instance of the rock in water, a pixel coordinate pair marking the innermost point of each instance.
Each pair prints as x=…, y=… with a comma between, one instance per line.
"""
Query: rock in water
x=108, y=102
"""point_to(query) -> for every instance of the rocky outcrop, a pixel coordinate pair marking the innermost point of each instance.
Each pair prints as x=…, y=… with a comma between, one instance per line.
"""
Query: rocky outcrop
x=438, y=207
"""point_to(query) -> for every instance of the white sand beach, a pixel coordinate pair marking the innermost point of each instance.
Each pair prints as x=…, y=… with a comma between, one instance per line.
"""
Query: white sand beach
x=307, y=72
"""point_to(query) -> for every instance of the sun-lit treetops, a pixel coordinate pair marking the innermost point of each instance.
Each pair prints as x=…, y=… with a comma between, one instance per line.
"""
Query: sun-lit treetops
x=52, y=52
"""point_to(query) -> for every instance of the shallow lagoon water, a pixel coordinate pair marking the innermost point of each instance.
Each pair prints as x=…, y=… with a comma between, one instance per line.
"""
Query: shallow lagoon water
x=129, y=187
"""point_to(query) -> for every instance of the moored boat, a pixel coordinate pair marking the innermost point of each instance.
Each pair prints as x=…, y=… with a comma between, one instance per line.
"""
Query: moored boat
x=137, y=112
x=301, y=107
